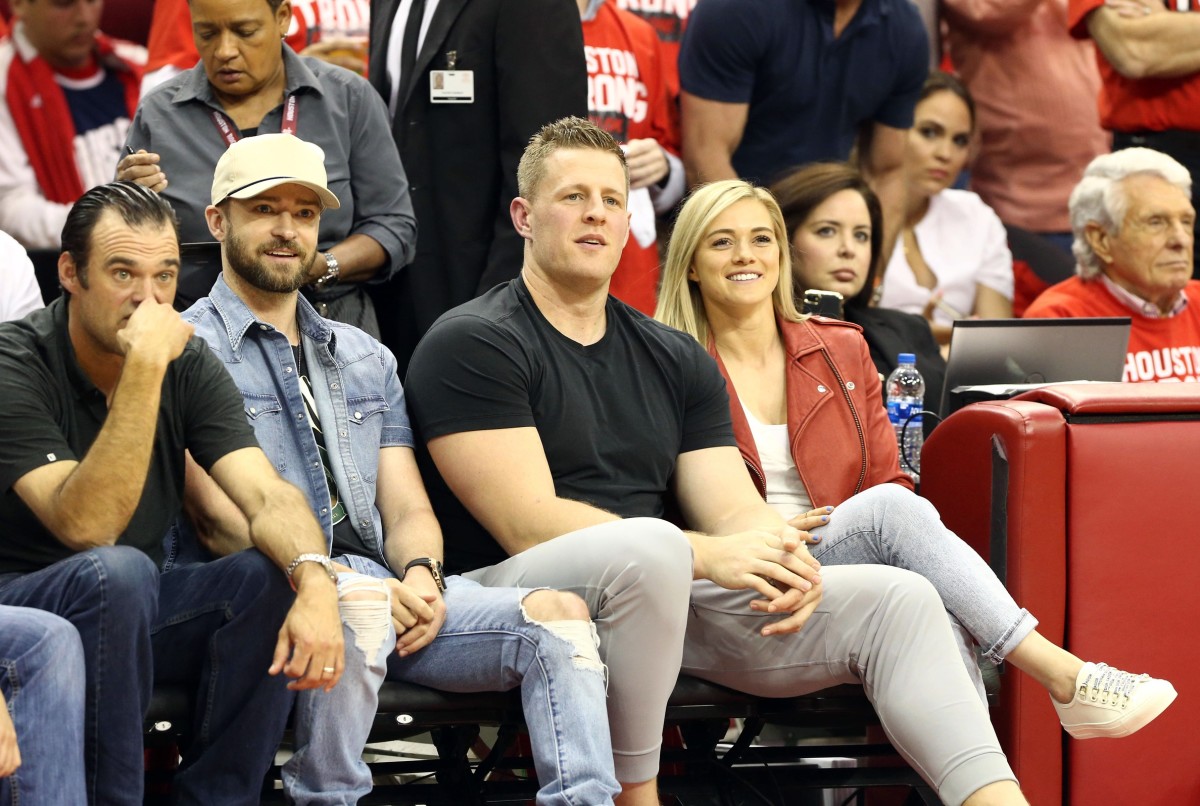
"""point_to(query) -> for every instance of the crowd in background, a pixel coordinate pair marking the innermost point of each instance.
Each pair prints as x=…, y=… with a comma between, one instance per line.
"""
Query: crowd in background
x=929, y=162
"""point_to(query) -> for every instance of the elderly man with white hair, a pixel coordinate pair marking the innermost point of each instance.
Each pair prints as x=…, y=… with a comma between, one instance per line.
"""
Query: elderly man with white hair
x=1133, y=220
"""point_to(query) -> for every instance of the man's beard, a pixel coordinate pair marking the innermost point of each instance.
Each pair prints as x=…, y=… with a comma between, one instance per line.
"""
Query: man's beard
x=248, y=264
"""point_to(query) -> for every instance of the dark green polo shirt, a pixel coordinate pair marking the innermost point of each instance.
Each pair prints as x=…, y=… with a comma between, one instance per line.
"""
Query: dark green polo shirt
x=51, y=412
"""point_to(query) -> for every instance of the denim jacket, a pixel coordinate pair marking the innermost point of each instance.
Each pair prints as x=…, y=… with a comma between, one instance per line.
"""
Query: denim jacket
x=362, y=412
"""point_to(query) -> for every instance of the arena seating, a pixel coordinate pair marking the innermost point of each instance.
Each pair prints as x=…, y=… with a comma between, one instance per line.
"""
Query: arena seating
x=704, y=768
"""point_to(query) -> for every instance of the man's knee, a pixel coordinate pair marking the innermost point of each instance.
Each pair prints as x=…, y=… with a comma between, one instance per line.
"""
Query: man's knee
x=365, y=607
x=125, y=575
x=565, y=616
x=551, y=605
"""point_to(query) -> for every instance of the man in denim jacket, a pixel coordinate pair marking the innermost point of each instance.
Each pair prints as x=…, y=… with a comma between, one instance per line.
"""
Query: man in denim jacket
x=327, y=406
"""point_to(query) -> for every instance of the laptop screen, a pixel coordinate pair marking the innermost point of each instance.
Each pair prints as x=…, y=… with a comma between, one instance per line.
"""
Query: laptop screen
x=1033, y=351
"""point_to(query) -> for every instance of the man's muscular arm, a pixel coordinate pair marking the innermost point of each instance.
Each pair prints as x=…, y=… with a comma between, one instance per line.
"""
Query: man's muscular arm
x=90, y=503
x=744, y=542
x=410, y=531
x=712, y=131
x=1157, y=45
x=502, y=477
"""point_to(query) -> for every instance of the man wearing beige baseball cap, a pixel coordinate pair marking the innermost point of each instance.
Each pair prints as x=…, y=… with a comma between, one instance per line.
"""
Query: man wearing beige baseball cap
x=325, y=401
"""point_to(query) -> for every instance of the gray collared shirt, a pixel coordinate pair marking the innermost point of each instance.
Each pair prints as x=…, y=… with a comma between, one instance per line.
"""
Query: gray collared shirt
x=336, y=109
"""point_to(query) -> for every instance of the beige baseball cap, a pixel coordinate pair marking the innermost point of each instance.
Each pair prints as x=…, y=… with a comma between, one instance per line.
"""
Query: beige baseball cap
x=256, y=164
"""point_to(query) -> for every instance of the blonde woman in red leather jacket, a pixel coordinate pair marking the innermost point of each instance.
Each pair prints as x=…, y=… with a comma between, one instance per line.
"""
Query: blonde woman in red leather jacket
x=810, y=425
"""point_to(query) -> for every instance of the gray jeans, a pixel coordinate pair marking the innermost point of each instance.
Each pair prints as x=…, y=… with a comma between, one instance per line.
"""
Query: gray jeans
x=883, y=628
x=635, y=576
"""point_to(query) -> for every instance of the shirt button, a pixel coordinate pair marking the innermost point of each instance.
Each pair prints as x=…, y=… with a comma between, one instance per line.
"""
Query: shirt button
x=333, y=385
x=341, y=433
x=324, y=510
x=287, y=369
x=821, y=389
x=358, y=415
x=253, y=410
x=850, y=385
x=263, y=327
x=316, y=464
x=354, y=477
x=300, y=416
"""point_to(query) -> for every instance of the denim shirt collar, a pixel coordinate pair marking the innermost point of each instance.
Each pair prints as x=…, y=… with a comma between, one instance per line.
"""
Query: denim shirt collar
x=237, y=318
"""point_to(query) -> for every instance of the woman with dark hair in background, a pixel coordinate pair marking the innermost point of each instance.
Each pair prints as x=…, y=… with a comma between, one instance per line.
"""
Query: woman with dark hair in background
x=835, y=227
x=951, y=260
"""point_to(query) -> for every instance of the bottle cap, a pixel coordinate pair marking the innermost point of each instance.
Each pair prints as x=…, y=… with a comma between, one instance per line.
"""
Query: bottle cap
x=907, y=358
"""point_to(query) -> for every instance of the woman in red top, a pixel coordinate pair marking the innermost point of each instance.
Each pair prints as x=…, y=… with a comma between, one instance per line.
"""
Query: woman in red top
x=805, y=404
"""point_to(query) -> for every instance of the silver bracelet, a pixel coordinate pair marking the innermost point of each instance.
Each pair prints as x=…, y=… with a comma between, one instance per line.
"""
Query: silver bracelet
x=320, y=559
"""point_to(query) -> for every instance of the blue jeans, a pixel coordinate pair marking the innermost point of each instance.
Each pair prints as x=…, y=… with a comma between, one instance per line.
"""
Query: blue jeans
x=489, y=644
x=890, y=525
x=211, y=626
x=331, y=727
x=41, y=675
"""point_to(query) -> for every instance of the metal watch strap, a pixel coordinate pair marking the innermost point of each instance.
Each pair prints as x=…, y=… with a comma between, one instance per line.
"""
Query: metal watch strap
x=435, y=569
x=333, y=270
x=320, y=559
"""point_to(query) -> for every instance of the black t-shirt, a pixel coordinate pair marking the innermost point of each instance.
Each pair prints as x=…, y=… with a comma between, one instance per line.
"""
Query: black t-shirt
x=51, y=412
x=613, y=416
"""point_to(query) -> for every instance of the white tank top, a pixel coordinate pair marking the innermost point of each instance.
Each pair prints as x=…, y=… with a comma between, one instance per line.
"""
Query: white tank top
x=785, y=491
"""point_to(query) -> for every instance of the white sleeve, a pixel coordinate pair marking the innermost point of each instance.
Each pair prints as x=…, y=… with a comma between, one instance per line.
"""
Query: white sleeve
x=25, y=213
x=667, y=196
x=19, y=292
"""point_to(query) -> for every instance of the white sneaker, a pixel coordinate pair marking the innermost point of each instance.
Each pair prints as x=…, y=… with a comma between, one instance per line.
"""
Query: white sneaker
x=1111, y=703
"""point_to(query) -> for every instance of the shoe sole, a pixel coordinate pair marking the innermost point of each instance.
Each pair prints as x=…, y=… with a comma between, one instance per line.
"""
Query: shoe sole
x=1124, y=726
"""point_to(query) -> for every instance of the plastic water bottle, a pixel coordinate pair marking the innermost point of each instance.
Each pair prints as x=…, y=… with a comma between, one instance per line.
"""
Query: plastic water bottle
x=905, y=399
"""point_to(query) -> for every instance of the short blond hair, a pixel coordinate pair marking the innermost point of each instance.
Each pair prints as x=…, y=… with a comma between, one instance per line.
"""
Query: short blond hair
x=680, y=304
x=572, y=132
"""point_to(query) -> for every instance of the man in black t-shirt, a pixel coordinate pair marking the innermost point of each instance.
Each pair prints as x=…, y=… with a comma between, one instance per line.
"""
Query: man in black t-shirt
x=104, y=392
x=558, y=420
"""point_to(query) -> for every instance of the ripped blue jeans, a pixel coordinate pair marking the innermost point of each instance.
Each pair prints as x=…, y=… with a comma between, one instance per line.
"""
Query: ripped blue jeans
x=488, y=643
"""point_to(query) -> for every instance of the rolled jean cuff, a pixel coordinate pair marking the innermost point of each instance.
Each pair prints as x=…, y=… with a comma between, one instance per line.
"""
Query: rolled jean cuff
x=1020, y=630
x=972, y=775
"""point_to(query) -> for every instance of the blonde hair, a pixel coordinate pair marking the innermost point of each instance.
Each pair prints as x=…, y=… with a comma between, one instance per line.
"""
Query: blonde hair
x=565, y=133
x=680, y=304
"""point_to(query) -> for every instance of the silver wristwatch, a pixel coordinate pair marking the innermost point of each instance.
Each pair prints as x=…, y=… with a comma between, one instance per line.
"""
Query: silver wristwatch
x=333, y=270
x=320, y=559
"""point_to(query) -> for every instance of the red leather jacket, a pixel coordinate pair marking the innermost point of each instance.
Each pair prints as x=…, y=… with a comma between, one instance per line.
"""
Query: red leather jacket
x=842, y=441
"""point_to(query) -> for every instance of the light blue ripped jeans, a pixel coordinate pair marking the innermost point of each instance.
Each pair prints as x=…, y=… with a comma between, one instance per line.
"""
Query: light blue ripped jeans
x=331, y=727
x=487, y=643
x=890, y=525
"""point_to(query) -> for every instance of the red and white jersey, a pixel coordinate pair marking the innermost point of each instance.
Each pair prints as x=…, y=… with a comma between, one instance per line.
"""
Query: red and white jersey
x=628, y=98
x=669, y=19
